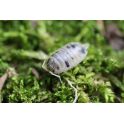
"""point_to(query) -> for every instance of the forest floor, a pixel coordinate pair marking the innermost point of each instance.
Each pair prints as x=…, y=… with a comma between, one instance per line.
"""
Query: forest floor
x=24, y=45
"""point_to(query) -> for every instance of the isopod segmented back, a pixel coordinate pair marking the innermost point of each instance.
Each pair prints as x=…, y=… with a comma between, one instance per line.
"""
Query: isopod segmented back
x=67, y=57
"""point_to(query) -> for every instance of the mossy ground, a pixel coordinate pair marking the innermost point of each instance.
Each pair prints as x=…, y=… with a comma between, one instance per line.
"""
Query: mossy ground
x=99, y=78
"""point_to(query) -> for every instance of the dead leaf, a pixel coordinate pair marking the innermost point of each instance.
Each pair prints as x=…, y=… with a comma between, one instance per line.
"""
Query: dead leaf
x=9, y=73
x=114, y=36
x=3, y=80
x=35, y=73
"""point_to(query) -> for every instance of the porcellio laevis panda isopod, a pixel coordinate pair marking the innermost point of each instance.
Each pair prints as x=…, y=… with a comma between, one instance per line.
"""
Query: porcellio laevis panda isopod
x=67, y=57
x=64, y=59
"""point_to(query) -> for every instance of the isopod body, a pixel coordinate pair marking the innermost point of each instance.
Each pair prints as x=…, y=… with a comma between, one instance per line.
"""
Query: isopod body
x=67, y=57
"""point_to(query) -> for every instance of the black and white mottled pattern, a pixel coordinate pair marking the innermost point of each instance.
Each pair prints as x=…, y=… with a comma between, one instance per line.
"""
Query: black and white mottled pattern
x=67, y=57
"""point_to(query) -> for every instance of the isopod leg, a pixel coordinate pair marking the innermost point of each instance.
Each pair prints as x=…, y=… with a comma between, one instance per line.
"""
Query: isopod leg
x=43, y=65
x=56, y=76
x=75, y=90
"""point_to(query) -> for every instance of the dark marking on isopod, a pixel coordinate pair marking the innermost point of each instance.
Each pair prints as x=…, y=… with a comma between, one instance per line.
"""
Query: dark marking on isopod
x=57, y=67
x=73, y=45
x=67, y=64
x=56, y=52
x=72, y=58
x=82, y=50
x=68, y=46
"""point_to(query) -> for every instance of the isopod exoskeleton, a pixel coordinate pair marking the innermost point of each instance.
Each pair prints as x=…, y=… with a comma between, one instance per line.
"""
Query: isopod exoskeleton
x=67, y=57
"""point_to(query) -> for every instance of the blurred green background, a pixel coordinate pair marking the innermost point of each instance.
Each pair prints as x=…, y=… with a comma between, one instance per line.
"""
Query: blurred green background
x=25, y=44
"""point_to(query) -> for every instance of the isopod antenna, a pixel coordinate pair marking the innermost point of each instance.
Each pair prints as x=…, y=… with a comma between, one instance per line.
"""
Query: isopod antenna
x=75, y=90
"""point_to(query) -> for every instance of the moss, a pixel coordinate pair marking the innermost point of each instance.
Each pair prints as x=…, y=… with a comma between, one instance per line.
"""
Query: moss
x=25, y=44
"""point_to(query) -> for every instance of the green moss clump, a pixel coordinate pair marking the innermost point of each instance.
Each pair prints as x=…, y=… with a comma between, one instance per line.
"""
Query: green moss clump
x=25, y=44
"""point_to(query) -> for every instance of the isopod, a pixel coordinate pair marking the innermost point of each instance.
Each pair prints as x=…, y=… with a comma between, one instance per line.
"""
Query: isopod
x=65, y=59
